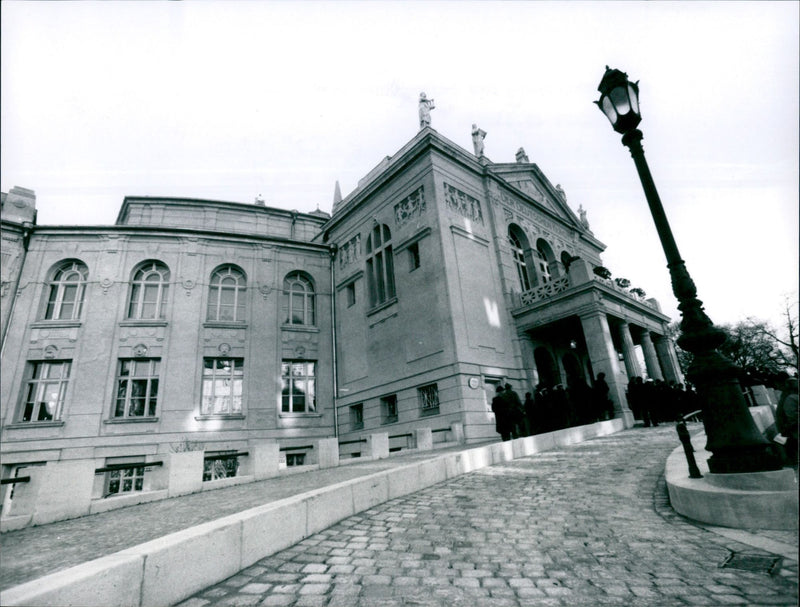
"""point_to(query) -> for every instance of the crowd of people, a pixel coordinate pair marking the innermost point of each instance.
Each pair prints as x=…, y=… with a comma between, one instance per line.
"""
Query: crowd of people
x=556, y=407
x=551, y=408
x=656, y=401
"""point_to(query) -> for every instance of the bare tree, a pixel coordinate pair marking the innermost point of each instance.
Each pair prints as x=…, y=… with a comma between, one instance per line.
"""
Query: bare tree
x=787, y=335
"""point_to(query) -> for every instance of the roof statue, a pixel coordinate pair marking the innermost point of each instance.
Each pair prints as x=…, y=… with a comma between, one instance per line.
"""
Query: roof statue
x=561, y=191
x=478, y=135
x=522, y=156
x=582, y=213
x=425, y=107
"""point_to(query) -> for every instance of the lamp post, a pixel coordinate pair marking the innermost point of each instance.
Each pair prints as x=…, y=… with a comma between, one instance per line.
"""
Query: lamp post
x=733, y=438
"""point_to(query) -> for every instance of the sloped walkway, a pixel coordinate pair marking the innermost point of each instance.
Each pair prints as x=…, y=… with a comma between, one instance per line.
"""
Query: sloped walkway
x=33, y=552
x=588, y=524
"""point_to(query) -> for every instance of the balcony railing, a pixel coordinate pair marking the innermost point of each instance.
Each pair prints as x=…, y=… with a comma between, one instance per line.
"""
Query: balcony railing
x=559, y=285
x=548, y=289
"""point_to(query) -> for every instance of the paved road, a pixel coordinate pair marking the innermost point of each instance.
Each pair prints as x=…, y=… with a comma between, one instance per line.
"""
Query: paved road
x=584, y=525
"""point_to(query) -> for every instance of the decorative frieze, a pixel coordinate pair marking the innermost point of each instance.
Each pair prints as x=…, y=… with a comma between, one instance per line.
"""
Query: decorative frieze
x=350, y=252
x=463, y=204
x=410, y=207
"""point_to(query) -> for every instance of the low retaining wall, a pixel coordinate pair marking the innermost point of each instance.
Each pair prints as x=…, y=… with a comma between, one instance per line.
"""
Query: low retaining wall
x=758, y=500
x=167, y=570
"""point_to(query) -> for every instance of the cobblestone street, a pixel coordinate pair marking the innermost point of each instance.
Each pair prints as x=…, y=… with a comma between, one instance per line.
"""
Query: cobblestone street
x=584, y=525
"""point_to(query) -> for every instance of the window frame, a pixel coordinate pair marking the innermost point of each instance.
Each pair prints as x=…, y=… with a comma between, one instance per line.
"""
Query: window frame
x=425, y=396
x=414, y=260
x=151, y=379
x=59, y=284
x=380, y=266
x=389, y=403
x=357, y=416
x=287, y=394
x=36, y=383
x=307, y=296
x=520, y=263
x=217, y=291
x=136, y=477
x=235, y=389
x=140, y=287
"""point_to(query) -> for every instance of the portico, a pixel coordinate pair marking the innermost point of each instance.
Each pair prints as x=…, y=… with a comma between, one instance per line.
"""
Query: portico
x=581, y=325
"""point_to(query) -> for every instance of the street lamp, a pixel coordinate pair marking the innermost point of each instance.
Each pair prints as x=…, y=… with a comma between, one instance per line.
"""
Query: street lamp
x=733, y=438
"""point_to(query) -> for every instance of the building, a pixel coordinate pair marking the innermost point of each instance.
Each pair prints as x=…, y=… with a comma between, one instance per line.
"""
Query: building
x=192, y=322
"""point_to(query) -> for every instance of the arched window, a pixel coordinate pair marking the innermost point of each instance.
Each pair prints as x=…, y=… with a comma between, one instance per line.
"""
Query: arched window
x=544, y=260
x=226, y=295
x=66, y=291
x=298, y=300
x=149, y=290
x=518, y=242
x=380, y=266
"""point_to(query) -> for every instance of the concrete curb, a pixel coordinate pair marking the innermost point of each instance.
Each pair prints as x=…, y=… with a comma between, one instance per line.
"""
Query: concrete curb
x=167, y=570
x=702, y=500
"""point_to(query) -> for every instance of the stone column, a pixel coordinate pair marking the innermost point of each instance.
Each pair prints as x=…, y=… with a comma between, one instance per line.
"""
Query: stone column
x=628, y=351
x=604, y=360
x=667, y=359
x=528, y=361
x=650, y=356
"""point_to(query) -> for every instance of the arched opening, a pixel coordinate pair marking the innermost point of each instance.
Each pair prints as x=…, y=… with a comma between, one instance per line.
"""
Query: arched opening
x=566, y=260
x=545, y=365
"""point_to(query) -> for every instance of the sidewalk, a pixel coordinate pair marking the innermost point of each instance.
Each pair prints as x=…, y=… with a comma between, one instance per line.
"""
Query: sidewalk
x=33, y=552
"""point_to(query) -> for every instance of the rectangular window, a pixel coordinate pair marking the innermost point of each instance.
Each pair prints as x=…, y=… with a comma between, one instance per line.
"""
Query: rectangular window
x=357, y=416
x=298, y=386
x=389, y=408
x=295, y=459
x=220, y=467
x=350, y=294
x=137, y=388
x=44, y=397
x=413, y=256
x=428, y=397
x=222, y=386
x=125, y=480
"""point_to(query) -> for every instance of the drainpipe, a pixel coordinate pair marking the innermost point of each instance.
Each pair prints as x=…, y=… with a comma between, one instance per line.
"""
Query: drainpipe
x=27, y=229
x=334, y=250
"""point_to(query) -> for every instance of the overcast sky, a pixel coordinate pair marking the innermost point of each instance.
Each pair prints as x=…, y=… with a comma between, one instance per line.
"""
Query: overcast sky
x=228, y=101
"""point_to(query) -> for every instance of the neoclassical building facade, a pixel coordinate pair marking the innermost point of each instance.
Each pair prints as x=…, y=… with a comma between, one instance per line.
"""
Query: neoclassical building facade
x=217, y=323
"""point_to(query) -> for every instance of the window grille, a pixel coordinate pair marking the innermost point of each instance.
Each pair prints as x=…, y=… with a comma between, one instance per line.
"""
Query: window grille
x=428, y=397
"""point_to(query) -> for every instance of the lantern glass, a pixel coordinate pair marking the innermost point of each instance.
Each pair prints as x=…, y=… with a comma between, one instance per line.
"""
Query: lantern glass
x=634, y=97
x=619, y=97
x=609, y=111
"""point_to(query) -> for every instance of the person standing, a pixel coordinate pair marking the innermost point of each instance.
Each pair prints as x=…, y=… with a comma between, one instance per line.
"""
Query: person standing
x=500, y=409
x=516, y=413
x=530, y=411
x=603, y=405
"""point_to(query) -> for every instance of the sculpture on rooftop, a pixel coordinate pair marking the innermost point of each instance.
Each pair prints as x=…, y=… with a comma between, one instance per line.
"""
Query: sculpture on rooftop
x=582, y=213
x=478, y=135
x=425, y=107
x=561, y=191
x=522, y=156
